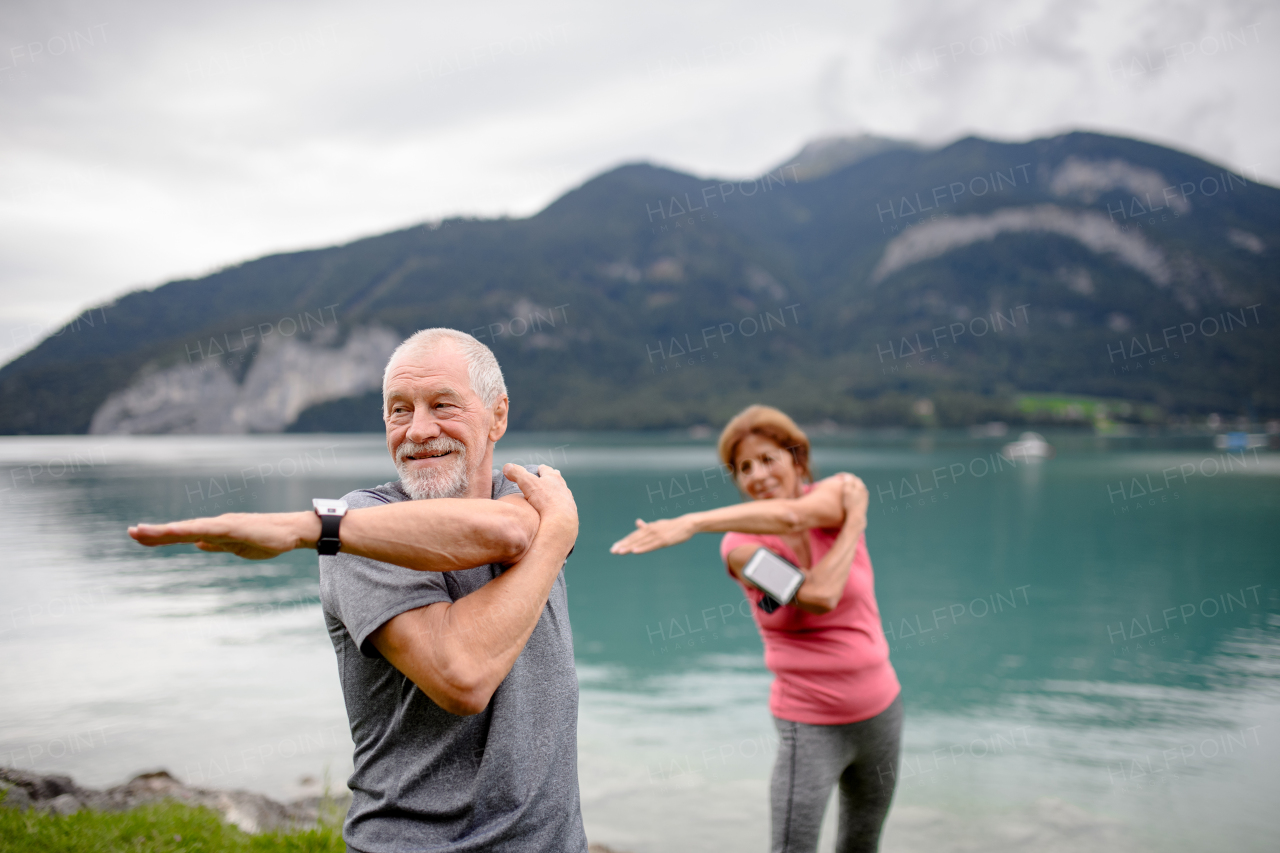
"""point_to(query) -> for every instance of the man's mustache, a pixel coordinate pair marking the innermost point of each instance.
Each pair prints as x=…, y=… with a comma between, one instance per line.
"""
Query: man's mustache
x=435, y=447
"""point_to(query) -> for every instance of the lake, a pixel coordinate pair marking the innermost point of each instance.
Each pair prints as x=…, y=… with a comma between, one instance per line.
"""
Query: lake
x=1089, y=646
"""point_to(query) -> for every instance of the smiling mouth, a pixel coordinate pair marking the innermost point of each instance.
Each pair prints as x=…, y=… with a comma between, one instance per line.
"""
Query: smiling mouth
x=441, y=455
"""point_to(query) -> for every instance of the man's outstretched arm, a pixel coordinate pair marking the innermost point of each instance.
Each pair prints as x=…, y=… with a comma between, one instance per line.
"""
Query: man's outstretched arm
x=459, y=652
x=438, y=535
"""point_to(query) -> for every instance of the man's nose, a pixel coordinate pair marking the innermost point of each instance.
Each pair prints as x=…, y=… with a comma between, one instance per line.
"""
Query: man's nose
x=424, y=427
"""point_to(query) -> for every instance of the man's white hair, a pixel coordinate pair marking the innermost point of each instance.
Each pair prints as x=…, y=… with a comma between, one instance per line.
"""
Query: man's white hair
x=482, y=368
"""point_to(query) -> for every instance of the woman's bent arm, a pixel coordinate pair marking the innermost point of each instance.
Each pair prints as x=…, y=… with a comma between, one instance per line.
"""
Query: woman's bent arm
x=824, y=583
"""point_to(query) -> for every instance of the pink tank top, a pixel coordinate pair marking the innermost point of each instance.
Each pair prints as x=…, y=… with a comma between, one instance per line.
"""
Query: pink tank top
x=832, y=668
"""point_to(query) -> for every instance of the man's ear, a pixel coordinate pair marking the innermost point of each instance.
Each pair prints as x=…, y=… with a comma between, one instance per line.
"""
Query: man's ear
x=498, y=424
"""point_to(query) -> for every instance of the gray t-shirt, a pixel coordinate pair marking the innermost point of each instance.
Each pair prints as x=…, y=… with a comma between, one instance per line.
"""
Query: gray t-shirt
x=505, y=779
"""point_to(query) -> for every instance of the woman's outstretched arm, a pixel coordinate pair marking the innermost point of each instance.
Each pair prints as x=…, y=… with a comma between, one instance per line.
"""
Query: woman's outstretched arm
x=822, y=507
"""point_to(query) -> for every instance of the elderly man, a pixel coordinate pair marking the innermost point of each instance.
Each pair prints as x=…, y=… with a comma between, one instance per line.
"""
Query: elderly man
x=445, y=601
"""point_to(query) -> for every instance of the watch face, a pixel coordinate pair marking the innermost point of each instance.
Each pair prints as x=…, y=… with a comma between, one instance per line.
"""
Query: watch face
x=329, y=507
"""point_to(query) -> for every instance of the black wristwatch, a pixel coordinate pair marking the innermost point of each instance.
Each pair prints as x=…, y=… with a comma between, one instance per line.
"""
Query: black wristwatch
x=331, y=513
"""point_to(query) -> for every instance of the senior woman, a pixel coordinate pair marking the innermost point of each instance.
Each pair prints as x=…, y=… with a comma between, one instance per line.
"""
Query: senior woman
x=835, y=697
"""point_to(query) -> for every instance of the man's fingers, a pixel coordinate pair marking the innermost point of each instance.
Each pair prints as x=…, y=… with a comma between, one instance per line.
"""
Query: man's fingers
x=516, y=473
x=161, y=534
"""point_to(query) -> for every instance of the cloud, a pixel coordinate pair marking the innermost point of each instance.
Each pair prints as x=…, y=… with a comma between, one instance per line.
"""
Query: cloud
x=146, y=141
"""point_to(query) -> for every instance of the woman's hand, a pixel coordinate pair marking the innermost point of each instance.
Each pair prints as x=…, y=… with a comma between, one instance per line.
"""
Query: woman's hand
x=650, y=536
x=854, y=497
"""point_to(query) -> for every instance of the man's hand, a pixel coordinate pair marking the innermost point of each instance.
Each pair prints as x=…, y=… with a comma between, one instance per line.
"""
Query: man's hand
x=550, y=497
x=652, y=535
x=253, y=536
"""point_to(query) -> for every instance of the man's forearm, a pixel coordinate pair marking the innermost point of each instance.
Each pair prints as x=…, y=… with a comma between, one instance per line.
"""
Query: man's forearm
x=488, y=628
x=439, y=535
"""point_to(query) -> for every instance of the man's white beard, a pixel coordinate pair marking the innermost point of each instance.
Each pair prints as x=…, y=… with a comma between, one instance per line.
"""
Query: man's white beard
x=426, y=483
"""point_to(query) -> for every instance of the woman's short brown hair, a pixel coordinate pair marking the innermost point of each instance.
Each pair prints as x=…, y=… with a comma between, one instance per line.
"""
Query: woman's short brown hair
x=772, y=424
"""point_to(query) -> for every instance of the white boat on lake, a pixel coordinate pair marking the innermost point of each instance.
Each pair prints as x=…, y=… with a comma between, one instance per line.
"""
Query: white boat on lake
x=1029, y=447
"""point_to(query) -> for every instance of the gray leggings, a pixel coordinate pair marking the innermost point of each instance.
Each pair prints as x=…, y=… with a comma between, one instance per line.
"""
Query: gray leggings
x=861, y=756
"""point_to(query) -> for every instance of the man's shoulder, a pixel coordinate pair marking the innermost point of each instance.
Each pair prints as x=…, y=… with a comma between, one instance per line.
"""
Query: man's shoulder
x=502, y=487
x=387, y=493
x=393, y=492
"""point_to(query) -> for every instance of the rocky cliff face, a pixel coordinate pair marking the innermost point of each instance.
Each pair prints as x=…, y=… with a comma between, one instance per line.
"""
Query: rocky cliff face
x=285, y=376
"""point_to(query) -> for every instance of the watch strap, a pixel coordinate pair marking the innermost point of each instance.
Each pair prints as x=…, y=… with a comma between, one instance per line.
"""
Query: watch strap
x=329, y=544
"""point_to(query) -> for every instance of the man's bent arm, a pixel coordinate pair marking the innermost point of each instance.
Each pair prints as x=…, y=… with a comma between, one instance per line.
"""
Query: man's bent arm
x=459, y=652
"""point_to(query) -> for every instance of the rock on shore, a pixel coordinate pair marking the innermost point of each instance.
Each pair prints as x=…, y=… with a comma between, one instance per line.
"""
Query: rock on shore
x=249, y=811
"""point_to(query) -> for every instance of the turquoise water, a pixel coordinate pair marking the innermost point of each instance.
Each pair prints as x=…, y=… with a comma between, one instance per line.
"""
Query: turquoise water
x=1089, y=647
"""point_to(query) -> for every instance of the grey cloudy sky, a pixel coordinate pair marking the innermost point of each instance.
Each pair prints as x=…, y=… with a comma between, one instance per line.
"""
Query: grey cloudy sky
x=144, y=141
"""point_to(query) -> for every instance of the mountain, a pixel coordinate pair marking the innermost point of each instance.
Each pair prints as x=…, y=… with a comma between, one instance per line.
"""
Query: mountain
x=865, y=281
x=832, y=153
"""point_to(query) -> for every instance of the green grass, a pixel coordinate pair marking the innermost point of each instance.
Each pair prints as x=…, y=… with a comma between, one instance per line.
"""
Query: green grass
x=1062, y=407
x=158, y=828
